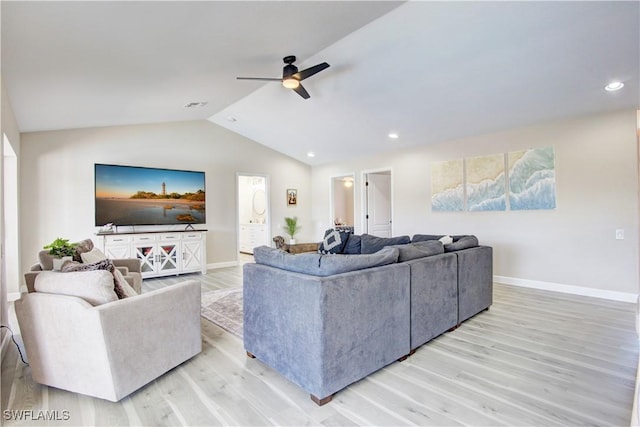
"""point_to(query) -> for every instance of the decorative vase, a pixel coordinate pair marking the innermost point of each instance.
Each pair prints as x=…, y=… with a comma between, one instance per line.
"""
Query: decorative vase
x=292, y=241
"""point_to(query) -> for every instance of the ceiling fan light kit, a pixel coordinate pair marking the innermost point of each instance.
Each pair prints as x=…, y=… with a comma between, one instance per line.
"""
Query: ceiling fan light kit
x=291, y=77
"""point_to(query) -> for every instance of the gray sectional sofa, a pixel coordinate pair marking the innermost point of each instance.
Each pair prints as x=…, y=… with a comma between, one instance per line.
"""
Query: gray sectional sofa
x=325, y=321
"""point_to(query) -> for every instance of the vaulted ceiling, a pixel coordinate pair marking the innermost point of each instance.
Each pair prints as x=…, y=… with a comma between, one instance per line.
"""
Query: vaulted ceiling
x=428, y=71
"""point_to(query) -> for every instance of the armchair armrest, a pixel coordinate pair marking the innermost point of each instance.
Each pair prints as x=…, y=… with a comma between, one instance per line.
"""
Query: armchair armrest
x=133, y=264
x=30, y=280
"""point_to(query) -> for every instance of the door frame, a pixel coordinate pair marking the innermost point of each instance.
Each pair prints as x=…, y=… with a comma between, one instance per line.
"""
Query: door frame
x=363, y=197
x=332, y=195
x=267, y=196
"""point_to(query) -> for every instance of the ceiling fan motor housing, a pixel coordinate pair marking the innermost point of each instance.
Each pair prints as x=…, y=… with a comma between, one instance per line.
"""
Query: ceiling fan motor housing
x=289, y=69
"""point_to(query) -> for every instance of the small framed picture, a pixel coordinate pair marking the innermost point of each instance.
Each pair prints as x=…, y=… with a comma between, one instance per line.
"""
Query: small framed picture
x=292, y=197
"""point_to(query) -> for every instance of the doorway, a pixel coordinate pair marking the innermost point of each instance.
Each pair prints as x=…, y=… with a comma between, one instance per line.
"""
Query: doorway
x=253, y=214
x=378, y=208
x=342, y=201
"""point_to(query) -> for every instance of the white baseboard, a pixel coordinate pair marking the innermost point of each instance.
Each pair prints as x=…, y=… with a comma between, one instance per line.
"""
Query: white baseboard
x=12, y=296
x=222, y=264
x=568, y=289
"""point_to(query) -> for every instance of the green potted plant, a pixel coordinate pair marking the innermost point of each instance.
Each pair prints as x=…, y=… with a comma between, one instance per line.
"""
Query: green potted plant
x=291, y=228
x=61, y=250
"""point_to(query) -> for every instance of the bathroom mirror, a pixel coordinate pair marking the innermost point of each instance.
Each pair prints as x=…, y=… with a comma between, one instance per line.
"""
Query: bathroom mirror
x=259, y=202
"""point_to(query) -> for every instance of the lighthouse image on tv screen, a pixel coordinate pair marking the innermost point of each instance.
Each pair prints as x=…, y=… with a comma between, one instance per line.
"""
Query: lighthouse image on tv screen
x=131, y=195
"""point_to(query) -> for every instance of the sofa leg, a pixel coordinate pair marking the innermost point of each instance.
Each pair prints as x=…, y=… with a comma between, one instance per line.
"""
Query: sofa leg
x=250, y=355
x=406, y=356
x=322, y=401
x=454, y=328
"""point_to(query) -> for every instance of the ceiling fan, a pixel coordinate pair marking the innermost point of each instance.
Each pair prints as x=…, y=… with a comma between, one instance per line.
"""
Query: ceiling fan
x=291, y=77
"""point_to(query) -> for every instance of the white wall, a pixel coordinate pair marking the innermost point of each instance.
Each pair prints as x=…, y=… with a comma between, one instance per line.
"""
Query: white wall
x=10, y=255
x=57, y=178
x=574, y=245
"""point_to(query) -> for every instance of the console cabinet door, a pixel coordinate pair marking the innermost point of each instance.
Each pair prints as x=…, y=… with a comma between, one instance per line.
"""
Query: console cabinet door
x=117, y=247
x=145, y=249
x=192, y=252
x=168, y=251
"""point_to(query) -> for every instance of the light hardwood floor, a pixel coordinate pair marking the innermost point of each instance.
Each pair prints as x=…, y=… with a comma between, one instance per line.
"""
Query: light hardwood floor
x=535, y=358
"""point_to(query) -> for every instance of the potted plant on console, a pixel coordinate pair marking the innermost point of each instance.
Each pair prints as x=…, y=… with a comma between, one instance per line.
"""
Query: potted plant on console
x=62, y=250
x=291, y=228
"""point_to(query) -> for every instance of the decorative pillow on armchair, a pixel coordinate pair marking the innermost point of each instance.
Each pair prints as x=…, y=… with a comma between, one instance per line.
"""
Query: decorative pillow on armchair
x=100, y=265
x=95, y=287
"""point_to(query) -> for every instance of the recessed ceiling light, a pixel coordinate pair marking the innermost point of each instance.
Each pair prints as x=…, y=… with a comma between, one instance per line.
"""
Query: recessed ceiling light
x=393, y=135
x=311, y=154
x=613, y=86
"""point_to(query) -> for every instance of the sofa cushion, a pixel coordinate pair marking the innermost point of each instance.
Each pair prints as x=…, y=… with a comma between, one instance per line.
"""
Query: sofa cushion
x=94, y=255
x=45, y=259
x=372, y=244
x=317, y=264
x=334, y=242
x=105, y=264
x=464, y=242
x=418, y=250
x=425, y=237
x=95, y=287
x=81, y=247
x=354, y=245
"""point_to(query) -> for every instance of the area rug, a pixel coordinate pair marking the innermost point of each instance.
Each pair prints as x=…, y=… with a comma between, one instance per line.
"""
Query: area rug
x=224, y=308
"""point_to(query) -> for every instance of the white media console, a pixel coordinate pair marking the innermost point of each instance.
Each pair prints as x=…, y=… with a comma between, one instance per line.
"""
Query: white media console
x=161, y=253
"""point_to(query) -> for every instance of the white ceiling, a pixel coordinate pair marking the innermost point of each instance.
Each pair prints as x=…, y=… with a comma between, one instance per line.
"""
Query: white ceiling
x=430, y=71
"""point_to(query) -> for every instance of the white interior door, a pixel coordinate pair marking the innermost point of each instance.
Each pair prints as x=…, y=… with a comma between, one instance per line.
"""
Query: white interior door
x=378, y=203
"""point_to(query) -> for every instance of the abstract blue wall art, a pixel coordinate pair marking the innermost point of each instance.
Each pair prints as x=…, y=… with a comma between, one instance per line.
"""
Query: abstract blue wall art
x=486, y=187
x=447, y=187
x=532, y=179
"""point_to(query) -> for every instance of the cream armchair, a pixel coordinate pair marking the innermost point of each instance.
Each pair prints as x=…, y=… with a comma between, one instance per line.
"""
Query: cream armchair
x=110, y=350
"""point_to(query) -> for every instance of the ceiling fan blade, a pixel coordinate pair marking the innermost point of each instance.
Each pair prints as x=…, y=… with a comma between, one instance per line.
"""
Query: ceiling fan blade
x=300, y=90
x=266, y=79
x=301, y=75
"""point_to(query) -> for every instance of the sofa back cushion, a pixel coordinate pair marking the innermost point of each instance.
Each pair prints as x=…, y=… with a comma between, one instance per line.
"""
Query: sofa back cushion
x=95, y=286
x=316, y=264
x=372, y=244
x=419, y=250
x=464, y=242
x=354, y=245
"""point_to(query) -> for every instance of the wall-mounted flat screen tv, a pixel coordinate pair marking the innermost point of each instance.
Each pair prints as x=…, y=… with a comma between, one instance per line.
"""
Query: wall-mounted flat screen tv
x=131, y=195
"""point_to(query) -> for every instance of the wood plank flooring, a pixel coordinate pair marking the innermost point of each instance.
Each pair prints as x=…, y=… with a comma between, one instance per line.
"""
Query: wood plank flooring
x=535, y=358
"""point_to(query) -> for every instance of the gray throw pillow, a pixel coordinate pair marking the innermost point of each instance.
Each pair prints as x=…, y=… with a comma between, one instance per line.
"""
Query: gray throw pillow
x=334, y=242
x=316, y=264
x=462, y=243
x=372, y=244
